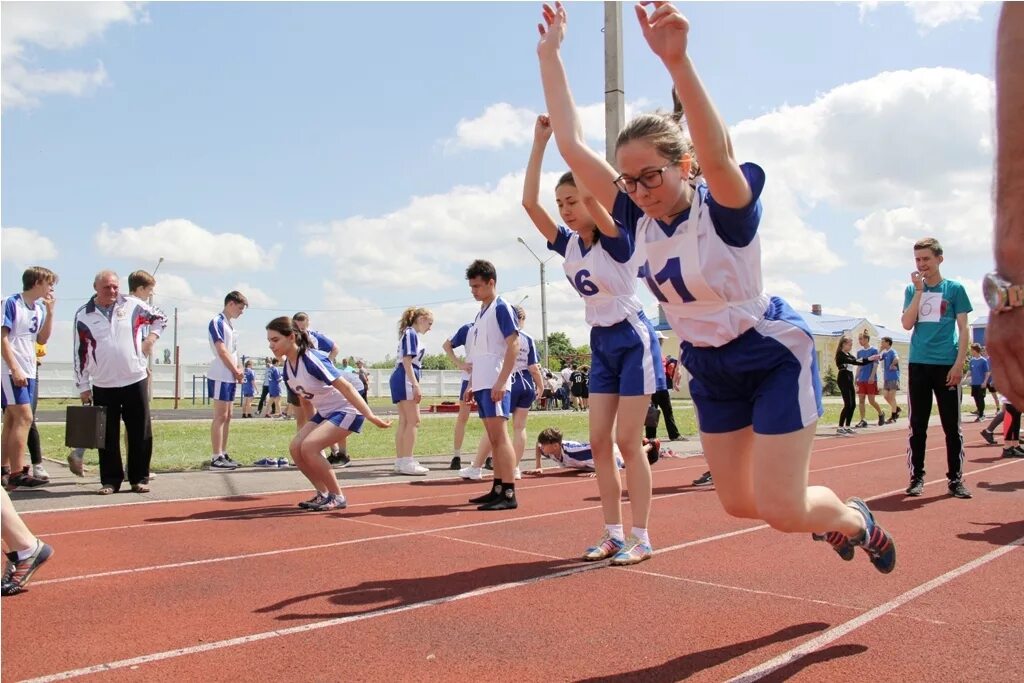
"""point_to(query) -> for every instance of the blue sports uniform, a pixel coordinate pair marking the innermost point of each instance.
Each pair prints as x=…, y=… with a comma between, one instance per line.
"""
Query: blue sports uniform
x=248, y=382
x=461, y=338
x=312, y=378
x=524, y=393
x=411, y=346
x=487, y=346
x=22, y=323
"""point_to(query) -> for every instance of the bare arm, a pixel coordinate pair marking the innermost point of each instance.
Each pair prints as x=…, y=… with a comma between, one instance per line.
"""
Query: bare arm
x=538, y=379
x=909, y=318
x=353, y=397
x=450, y=352
x=225, y=357
x=47, y=328
x=531, y=185
x=602, y=219
x=333, y=353
x=956, y=373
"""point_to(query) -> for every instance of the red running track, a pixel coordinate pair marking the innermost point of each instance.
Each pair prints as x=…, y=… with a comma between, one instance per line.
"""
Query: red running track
x=409, y=583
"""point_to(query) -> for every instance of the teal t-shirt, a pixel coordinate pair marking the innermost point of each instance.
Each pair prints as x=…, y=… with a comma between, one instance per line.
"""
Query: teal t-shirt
x=935, y=337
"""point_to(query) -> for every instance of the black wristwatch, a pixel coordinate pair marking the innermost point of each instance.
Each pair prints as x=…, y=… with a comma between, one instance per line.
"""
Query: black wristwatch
x=1000, y=294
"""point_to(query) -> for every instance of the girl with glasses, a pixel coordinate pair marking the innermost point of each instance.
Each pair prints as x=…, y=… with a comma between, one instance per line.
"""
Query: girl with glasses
x=752, y=360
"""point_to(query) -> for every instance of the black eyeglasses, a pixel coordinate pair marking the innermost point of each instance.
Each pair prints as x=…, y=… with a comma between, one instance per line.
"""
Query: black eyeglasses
x=649, y=179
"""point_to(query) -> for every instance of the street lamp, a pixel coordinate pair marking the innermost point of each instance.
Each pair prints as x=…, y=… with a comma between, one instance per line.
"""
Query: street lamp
x=543, y=297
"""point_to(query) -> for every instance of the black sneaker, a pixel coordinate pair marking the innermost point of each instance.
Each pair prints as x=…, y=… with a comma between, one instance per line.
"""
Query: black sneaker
x=1019, y=451
x=987, y=435
x=18, y=572
x=1013, y=452
x=502, y=501
x=492, y=495
x=881, y=419
x=916, y=487
x=5, y=476
x=958, y=490
x=704, y=479
x=861, y=425
x=22, y=480
x=456, y=463
x=488, y=464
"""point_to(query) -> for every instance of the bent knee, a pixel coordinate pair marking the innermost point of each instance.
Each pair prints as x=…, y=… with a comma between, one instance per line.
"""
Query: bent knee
x=740, y=508
x=782, y=517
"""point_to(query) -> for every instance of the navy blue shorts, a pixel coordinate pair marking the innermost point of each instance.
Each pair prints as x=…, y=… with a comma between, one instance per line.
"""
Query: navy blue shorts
x=523, y=392
x=353, y=422
x=625, y=359
x=485, y=407
x=15, y=395
x=401, y=388
x=220, y=391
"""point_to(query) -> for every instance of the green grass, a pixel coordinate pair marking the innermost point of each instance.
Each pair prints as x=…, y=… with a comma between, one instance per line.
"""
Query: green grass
x=185, y=445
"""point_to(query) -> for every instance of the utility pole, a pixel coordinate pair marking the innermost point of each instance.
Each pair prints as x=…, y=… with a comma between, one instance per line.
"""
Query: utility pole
x=614, y=88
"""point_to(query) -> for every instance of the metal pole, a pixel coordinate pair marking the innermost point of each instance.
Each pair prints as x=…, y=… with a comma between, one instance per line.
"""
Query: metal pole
x=614, y=89
x=177, y=361
x=544, y=313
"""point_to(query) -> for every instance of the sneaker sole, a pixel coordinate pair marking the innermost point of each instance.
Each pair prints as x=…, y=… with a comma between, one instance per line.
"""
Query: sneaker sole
x=630, y=561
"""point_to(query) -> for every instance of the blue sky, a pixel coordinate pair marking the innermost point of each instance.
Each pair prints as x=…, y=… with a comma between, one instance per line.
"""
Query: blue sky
x=350, y=159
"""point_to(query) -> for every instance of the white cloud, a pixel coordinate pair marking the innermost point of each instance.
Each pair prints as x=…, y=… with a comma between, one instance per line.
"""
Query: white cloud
x=182, y=242
x=25, y=247
x=55, y=26
x=256, y=297
x=930, y=15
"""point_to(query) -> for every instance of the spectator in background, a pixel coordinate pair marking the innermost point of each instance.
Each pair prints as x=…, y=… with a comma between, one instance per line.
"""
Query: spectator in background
x=890, y=378
x=35, y=449
x=266, y=386
x=273, y=386
x=248, y=388
x=663, y=400
x=111, y=371
x=980, y=378
x=364, y=377
x=567, y=371
x=867, y=379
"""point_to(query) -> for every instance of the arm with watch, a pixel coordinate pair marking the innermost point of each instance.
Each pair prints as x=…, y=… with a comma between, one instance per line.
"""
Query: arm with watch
x=1004, y=288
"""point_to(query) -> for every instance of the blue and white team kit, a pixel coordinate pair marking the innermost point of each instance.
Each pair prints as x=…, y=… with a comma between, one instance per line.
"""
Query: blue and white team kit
x=625, y=353
x=486, y=351
x=311, y=378
x=220, y=379
x=22, y=323
x=751, y=357
x=461, y=338
x=578, y=456
x=524, y=393
x=410, y=345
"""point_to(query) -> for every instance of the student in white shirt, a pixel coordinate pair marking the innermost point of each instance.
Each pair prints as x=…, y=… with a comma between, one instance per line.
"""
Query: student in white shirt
x=224, y=376
x=405, y=386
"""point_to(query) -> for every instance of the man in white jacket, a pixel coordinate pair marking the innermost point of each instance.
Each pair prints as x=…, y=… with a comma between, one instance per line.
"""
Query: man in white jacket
x=110, y=371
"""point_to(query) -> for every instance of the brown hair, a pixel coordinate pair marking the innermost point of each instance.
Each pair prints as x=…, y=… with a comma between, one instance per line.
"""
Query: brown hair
x=482, y=269
x=665, y=132
x=566, y=179
x=140, y=278
x=929, y=243
x=549, y=436
x=300, y=317
x=976, y=347
x=237, y=297
x=409, y=317
x=520, y=312
x=36, y=274
x=283, y=326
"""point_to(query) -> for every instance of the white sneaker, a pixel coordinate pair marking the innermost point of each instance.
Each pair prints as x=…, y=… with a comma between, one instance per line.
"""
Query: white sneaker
x=474, y=473
x=517, y=474
x=411, y=468
x=39, y=472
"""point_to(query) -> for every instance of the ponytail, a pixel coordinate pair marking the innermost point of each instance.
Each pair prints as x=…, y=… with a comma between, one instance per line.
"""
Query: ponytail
x=283, y=326
x=409, y=317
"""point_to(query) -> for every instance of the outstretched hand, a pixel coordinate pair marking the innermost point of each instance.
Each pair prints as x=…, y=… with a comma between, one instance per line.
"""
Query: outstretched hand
x=552, y=29
x=665, y=30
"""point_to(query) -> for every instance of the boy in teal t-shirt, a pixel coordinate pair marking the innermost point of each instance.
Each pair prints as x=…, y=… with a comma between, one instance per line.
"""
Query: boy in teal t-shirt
x=936, y=310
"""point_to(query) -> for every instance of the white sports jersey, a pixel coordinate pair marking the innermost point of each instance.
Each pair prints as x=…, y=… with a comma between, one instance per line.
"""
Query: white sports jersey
x=711, y=292
x=311, y=378
x=578, y=456
x=411, y=344
x=221, y=330
x=608, y=287
x=487, y=348
x=527, y=353
x=22, y=324
x=462, y=338
x=108, y=351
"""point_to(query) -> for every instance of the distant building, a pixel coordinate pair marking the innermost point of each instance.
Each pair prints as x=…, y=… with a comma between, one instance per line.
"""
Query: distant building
x=978, y=328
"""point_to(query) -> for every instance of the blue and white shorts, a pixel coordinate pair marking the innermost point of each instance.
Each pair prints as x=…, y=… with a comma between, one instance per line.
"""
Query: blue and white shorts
x=220, y=391
x=353, y=422
x=401, y=389
x=625, y=359
x=488, y=408
x=14, y=395
x=523, y=392
x=767, y=377
x=462, y=389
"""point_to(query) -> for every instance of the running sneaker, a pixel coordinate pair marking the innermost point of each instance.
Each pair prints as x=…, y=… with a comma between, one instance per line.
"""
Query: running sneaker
x=1019, y=452
x=331, y=502
x=318, y=499
x=488, y=463
x=474, y=473
x=861, y=425
x=411, y=468
x=24, y=480
x=283, y=462
x=39, y=472
x=222, y=463
x=841, y=432
x=916, y=487
x=266, y=462
x=604, y=549
x=633, y=552
x=456, y=463
x=988, y=436
x=18, y=572
x=839, y=542
x=704, y=479
x=228, y=459
x=881, y=419
x=958, y=490
x=876, y=541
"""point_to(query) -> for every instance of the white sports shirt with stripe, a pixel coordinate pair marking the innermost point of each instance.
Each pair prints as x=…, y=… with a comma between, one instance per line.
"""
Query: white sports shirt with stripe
x=311, y=378
x=22, y=324
x=487, y=348
x=410, y=344
x=221, y=330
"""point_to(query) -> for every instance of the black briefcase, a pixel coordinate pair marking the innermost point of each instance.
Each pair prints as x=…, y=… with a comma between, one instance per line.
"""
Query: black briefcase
x=653, y=416
x=85, y=427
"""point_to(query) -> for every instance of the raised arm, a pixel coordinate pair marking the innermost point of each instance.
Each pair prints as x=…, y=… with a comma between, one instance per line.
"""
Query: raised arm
x=666, y=31
x=587, y=166
x=531, y=186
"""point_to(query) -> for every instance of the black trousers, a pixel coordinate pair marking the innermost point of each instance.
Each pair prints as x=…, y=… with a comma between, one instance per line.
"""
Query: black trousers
x=663, y=400
x=927, y=380
x=263, y=399
x=1013, y=434
x=845, y=381
x=978, y=394
x=130, y=403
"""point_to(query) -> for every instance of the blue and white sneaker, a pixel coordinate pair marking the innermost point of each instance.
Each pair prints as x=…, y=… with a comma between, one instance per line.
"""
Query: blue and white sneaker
x=283, y=462
x=266, y=462
x=604, y=548
x=877, y=542
x=332, y=502
x=222, y=463
x=314, y=502
x=633, y=552
x=839, y=542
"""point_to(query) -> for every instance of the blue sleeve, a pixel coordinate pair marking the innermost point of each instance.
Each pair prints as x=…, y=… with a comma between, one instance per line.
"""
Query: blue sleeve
x=962, y=304
x=323, y=342
x=410, y=342
x=217, y=330
x=506, y=320
x=10, y=312
x=561, y=240
x=531, y=355
x=459, y=338
x=318, y=366
x=626, y=213
x=619, y=248
x=737, y=227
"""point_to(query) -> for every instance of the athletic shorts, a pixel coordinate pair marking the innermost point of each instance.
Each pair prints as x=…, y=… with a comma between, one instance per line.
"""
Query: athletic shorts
x=248, y=391
x=220, y=391
x=293, y=398
x=891, y=385
x=767, y=377
x=487, y=408
x=401, y=388
x=523, y=392
x=353, y=422
x=462, y=390
x=867, y=388
x=625, y=359
x=20, y=396
x=274, y=392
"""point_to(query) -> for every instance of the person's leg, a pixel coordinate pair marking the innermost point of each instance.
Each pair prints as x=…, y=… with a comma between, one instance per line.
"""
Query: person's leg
x=111, y=467
x=519, y=418
x=218, y=427
x=408, y=424
x=651, y=423
x=483, y=449
x=874, y=404
x=318, y=470
x=664, y=401
x=948, y=400
x=263, y=399
x=25, y=552
x=35, y=450
x=849, y=403
x=16, y=422
x=609, y=482
x=919, y=397
x=728, y=455
x=503, y=491
x=629, y=417
x=862, y=398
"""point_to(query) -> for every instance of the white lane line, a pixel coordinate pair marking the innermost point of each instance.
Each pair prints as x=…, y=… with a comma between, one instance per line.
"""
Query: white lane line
x=838, y=632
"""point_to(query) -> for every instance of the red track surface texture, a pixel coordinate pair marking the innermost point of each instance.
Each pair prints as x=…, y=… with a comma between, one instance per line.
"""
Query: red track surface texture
x=409, y=584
